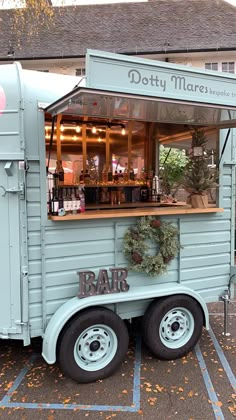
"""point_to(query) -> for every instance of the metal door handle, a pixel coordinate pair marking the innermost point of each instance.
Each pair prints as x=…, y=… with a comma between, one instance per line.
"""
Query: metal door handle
x=11, y=190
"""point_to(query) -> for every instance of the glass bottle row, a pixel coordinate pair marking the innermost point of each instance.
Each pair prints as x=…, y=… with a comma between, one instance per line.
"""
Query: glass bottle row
x=65, y=201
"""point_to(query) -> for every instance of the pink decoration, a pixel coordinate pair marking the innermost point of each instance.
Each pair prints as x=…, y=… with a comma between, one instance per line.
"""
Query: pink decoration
x=2, y=100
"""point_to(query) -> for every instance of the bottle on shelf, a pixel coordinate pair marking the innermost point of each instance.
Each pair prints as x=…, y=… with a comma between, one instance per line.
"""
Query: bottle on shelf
x=118, y=195
x=78, y=203
x=73, y=202
x=116, y=177
x=82, y=200
x=110, y=175
x=55, y=180
x=144, y=193
x=81, y=177
x=55, y=202
x=68, y=201
x=155, y=184
x=59, y=171
x=131, y=173
x=104, y=196
x=120, y=177
x=104, y=174
x=144, y=175
x=50, y=183
x=126, y=173
x=150, y=173
x=60, y=201
x=113, y=197
x=87, y=177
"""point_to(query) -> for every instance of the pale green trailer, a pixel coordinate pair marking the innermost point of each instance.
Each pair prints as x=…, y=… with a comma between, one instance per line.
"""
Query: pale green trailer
x=41, y=257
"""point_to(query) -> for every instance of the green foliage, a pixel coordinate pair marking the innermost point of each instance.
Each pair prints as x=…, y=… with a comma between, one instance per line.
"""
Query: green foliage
x=171, y=168
x=164, y=237
x=199, y=177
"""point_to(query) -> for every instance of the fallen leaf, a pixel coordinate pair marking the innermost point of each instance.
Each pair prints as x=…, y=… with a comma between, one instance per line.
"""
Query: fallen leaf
x=148, y=384
x=218, y=403
x=232, y=410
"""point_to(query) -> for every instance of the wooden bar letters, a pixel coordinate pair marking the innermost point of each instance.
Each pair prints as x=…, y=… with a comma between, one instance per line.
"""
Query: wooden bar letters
x=90, y=286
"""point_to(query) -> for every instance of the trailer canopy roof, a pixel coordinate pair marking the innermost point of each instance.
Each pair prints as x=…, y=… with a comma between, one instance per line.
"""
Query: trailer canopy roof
x=84, y=101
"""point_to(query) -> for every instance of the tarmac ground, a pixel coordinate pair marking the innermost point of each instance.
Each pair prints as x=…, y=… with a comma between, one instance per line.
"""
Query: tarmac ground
x=200, y=386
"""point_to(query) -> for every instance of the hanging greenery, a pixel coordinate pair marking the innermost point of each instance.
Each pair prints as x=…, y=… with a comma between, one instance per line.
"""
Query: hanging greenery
x=163, y=235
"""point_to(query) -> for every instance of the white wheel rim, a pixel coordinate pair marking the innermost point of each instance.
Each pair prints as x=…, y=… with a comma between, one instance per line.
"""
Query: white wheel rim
x=95, y=347
x=176, y=328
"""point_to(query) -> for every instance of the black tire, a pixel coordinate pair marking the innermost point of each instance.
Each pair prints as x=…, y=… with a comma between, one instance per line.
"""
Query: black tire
x=172, y=326
x=93, y=345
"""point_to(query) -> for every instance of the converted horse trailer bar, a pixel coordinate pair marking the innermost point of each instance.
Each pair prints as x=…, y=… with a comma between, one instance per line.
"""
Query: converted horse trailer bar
x=90, y=238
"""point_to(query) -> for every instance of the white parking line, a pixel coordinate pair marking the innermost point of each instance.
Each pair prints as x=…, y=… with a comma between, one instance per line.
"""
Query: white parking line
x=224, y=361
x=209, y=386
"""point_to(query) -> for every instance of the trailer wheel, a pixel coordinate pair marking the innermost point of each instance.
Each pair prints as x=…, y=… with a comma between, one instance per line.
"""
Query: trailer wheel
x=172, y=326
x=93, y=345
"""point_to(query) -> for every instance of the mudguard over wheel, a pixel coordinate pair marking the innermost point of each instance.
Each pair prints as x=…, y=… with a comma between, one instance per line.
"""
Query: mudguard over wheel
x=93, y=345
x=172, y=326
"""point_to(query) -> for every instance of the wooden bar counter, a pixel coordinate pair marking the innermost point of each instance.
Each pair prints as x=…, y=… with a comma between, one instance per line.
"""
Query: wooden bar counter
x=162, y=209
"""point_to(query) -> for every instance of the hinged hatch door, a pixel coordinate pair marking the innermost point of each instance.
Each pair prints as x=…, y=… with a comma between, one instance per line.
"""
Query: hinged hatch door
x=11, y=193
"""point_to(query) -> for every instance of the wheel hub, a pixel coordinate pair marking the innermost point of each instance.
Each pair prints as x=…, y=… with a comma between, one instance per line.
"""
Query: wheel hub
x=94, y=346
x=176, y=327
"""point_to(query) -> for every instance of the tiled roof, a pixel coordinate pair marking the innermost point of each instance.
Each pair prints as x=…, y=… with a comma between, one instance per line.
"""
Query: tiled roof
x=159, y=25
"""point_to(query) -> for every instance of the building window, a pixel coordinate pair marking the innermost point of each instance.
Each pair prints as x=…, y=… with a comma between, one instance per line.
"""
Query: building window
x=80, y=72
x=228, y=67
x=211, y=66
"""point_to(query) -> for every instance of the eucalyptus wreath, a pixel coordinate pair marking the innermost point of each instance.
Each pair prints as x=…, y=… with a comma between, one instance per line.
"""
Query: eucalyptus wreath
x=163, y=235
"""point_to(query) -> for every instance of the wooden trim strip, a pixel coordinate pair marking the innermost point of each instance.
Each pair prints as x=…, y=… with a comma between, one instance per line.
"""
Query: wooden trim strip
x=158, y=211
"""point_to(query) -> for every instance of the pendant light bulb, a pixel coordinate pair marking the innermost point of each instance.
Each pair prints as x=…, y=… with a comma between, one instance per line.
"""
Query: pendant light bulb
x=123, y=131
x=62, y=128
x=78, y=129
x=94, y=130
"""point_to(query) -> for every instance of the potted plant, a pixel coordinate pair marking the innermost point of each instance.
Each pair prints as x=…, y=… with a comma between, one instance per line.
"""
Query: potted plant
x=199, y=177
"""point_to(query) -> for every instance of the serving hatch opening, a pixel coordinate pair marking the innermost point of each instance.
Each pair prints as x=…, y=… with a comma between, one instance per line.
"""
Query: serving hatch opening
x=88, y=139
